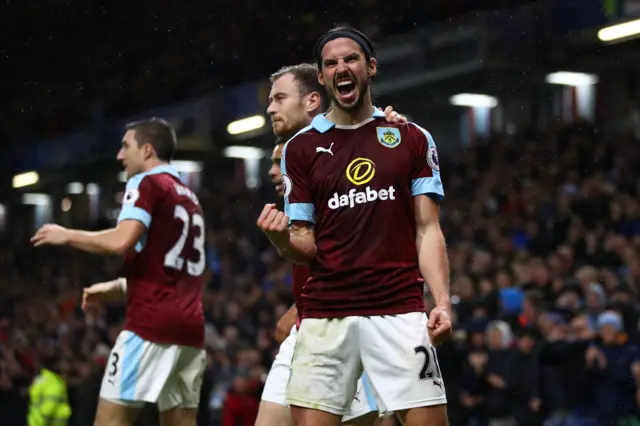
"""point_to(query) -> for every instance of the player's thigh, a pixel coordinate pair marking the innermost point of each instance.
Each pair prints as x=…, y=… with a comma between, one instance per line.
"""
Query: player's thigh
x=184, y=386
x=325, y=367
x=434, y=415
x=278, y=377
x=272, y=414
x=111, y=413
x=367, y=419
x=401, y=363
x=364, y=407
x=389, y=420
x=179, y=416
x=137, y=370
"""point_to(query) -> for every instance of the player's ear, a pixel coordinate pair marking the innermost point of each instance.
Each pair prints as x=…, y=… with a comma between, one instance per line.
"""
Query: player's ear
x=373, y=67
x=320, y=78
x=313, y=101
x=147, y=151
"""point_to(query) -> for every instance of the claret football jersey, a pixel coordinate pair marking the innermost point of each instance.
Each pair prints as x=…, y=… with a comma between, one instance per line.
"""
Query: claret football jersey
x=356, y=185
x=165, y=270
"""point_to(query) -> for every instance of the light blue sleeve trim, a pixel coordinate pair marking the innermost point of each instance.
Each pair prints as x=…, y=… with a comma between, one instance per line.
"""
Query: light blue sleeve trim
x=300, y=211
x=296, y=211
x=431, y=186
x=428, y=186
x=129, y=210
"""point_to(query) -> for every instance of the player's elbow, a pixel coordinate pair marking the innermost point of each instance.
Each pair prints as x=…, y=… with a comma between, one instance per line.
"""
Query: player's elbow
x=125, y=237
x=429, y=234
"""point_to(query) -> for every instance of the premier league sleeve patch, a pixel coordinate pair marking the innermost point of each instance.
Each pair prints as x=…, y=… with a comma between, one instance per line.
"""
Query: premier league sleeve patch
x=131, y=196
x=287, y=185
x=389, y=136
x=432, y=158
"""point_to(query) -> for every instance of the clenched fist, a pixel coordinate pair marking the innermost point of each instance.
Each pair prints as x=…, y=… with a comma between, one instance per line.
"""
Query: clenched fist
x=439, y=325
x=275, y=225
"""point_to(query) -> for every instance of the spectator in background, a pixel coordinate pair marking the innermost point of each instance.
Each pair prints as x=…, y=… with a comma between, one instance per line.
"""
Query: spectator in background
x=497, y=375
x=524, y=379
x=241, y=404
x=610, y=363
x=48, y=396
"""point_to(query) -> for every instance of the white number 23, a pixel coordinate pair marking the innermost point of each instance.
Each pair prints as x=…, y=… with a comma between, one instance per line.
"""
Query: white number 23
x=173, y=258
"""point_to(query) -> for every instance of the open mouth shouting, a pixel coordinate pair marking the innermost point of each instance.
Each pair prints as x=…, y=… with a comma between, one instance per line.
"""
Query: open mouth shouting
x=346, y=88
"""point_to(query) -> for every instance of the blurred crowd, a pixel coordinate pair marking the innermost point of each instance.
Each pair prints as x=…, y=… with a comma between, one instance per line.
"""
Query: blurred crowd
x=543, y=235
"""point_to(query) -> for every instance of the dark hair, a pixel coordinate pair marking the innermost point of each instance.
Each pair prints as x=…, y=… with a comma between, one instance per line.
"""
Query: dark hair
x=347, y=31
x=159, y=134
x=306, y=76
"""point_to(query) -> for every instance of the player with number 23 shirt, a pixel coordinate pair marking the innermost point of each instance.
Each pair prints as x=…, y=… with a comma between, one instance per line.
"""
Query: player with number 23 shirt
x=159, y=355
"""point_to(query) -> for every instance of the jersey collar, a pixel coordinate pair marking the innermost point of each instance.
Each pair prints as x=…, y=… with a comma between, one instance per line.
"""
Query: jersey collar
x=164, y=168
x=322, y=124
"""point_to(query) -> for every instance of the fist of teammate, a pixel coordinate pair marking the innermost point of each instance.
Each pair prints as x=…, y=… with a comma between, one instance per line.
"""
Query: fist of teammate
x=51, y=234
x=91, y=299
x=95, y=296
x=439, y=325
x=275, y=224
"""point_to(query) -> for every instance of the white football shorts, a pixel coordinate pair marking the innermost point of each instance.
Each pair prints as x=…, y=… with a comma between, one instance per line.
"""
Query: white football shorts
x=140, y=371
x=394, y=351
x=276, y=383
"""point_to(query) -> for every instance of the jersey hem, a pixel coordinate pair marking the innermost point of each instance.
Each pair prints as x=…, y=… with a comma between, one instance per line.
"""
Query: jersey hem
x=153, y=339
x=320, y=314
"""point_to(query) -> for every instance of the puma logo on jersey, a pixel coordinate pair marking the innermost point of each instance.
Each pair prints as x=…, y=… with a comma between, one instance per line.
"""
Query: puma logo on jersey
x=327, y=150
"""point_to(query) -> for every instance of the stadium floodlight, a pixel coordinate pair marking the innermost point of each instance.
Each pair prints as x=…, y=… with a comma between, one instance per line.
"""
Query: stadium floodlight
x=619, y=32
x=25, y=179
x=122, y=177
x=75, y=188
x=185, y=166
x=36, y=199
x=247, y=124
x=93, y=188
x=244, y=152
x=568, y=78
x=475, y=100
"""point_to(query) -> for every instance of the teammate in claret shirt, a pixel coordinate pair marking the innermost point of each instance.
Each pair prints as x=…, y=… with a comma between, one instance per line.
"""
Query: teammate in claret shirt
x=296, y=97
x=361, y=207
x=159, y=356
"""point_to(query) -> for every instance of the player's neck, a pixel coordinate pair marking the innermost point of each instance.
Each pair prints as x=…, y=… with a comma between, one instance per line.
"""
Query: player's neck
x=348, y=118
